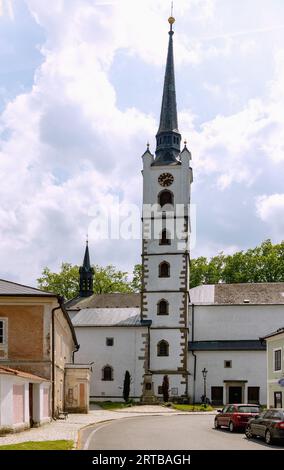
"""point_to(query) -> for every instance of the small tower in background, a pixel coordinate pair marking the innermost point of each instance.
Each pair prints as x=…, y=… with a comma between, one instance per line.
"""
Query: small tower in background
x=86, y=275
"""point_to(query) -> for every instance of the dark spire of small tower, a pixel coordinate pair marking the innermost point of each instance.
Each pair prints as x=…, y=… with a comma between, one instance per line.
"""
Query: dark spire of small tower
x=86, y=275
x=168, y=136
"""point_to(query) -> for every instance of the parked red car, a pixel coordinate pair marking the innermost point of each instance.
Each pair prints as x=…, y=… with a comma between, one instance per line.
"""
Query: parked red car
x=235, y=417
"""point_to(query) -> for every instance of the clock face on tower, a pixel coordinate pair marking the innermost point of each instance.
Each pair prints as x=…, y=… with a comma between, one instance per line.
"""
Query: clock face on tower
x=166, y=179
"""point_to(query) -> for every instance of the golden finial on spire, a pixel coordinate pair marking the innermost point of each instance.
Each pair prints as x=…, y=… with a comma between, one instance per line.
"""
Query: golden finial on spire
x=148, y=145
x=171, y=19
x=185, y=143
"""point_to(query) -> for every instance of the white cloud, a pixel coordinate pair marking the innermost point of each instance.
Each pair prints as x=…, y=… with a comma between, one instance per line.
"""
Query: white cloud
x=6, y=8
x=67, y=144
x=270, y=209
x=230, y=146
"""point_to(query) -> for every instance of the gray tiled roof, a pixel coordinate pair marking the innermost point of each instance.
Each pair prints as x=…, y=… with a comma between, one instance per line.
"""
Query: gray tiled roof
x=115, y=300
x=251, y=293
x=108, y=317
x=12, y=288
x=241, y=345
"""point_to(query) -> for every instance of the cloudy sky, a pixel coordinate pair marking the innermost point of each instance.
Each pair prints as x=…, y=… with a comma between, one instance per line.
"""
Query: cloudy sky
x=80, y=94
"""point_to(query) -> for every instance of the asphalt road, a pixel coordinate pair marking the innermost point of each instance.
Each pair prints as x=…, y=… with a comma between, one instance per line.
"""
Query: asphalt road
x=175, y=432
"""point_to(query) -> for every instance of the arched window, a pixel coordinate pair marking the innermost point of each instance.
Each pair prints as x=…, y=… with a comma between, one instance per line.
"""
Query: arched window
x=165, y=238
x=166, y=197
x=107, y=373
x=163, y=348
x=164, y=269
x=163, y=307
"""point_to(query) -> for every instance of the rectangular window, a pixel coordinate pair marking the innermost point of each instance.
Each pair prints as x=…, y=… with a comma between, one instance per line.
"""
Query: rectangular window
x=277, y=399
x=227, y=364
x=3, y=330
x=277, y=360
x=253, y=395
x=217, y=395
x=109, y=341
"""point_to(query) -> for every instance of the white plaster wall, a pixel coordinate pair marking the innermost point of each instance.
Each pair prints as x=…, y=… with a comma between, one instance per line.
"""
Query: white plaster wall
x=171, y=362
x=181, y=186
x=236, y=322
x=122, y=356
x=6, y=400
x=175, y=301
x=174, y=382
x=154, y=282
x=246, y=365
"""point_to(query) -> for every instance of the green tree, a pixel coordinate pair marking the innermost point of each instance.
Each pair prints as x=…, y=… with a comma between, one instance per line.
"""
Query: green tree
x=66, y=283
x=136, y=283
x=108, y=279
x=198, y=271
x=264, y=263
x=126, y=386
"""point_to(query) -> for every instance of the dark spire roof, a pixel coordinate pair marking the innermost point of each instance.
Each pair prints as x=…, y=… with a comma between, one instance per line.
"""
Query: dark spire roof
x=86, y=262
x=168, y=117
x=86, y=275
x=168, y=136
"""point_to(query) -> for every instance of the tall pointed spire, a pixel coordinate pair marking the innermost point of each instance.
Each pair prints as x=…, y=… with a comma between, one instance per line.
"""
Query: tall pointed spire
x=168, y=136
x=86, y=275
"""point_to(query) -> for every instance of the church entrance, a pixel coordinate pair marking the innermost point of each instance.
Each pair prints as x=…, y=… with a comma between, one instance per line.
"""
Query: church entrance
x=235, y=394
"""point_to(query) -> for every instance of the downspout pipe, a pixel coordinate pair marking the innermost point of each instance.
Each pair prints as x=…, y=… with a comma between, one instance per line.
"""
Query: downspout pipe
x=74, y=352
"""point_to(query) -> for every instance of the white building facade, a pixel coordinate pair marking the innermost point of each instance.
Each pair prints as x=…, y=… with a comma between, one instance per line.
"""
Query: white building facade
x=113, y=340
x=19, y=409
x=226, y=323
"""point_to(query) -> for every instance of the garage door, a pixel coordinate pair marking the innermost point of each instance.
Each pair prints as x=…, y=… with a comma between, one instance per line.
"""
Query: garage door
x=18, y=404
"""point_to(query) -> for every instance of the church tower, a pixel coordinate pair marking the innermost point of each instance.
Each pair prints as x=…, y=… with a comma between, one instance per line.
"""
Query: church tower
x=167, y=179
x=86, y=275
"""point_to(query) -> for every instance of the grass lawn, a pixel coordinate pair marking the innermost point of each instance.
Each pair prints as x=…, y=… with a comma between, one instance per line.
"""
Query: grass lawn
x=40, y=445
x=192, y=407
x=112, y=405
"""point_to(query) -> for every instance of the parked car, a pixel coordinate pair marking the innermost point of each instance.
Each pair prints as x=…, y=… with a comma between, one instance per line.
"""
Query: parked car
x=269, y=424
x=235, y=417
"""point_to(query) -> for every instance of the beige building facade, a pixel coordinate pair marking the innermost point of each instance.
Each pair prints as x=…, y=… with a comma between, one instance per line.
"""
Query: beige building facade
x=36, y=337
x=275, y=368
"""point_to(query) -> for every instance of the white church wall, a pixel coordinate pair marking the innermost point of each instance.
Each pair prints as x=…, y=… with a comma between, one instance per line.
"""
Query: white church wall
x=176, y=302
x=236, y=322
x=177, y=386
x=171, y=362
x=125, y=354
x=154, y=282
x=152, y=187
x=247, y=366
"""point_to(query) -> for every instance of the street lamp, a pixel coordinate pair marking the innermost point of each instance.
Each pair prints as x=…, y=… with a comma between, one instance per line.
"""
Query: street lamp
x=204, y=373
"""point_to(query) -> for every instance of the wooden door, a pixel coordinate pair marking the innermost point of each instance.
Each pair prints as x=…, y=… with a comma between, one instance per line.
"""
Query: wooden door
x=82, y=395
